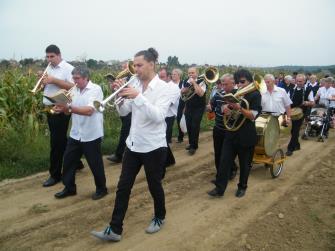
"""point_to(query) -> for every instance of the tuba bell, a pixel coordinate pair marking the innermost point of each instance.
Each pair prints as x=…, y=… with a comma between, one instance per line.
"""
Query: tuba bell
x=235, y=119
x=210, y=76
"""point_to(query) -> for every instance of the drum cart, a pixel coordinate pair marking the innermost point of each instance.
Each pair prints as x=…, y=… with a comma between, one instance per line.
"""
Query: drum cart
x=266, y=150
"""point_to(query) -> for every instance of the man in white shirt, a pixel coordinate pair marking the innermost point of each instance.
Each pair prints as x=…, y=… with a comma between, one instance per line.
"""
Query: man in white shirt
x=149, y=102
x=326, y=94
x=326, y=97
x=275, y=100
x=172, y=112
x=58, y=77
x=85, y=135
x=170, y=117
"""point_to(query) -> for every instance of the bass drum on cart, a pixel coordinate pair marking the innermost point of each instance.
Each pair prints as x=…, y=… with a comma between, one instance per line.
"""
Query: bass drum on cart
x=268, y=132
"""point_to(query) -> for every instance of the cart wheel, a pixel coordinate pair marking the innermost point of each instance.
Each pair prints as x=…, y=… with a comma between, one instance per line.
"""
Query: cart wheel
x=304, y=136
x=321, y=139
x=275, y=169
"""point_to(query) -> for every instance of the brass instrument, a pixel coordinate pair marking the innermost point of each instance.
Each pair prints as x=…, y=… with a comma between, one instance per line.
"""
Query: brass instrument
x=235, y=119
x=210, y=76
x=100, y=106
x=67, y=93
x=39, y=84
x=128, y=72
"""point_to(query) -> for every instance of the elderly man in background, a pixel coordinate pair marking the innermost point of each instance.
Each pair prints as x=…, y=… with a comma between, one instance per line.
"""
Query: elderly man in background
x=275, y=100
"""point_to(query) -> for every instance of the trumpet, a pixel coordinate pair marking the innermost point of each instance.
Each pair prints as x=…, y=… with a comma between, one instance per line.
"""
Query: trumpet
x=39, y=84
x=128, y=72
x=210, y=76
x=100, y=106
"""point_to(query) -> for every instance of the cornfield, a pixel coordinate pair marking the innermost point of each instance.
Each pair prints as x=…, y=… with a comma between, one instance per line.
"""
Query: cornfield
x=24, y=140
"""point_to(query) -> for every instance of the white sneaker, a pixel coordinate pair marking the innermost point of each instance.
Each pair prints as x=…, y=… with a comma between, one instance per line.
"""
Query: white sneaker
x=155, y=225
x=107, y=235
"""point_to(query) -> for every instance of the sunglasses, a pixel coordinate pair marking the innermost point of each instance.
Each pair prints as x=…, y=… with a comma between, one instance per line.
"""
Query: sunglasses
x=242, y=81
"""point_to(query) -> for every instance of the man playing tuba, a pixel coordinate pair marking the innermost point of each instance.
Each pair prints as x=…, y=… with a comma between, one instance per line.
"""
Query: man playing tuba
x=242, y=141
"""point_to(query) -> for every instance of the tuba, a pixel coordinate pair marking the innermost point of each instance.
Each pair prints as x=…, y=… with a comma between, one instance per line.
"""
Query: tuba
x=235, y=119
x=210, y=76
x=39, y=84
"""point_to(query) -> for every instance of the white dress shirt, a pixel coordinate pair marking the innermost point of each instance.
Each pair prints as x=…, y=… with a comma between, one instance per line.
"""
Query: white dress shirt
x=276, y=101
x=149, y=109
x=175, y=102
x=62, y=71
x=326, y=94
x=87, y=128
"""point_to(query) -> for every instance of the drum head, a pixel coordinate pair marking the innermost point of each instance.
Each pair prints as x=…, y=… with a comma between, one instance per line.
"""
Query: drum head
x=271, y=135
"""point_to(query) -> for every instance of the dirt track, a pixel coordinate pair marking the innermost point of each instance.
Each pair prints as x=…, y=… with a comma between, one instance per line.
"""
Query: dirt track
x=293, y=212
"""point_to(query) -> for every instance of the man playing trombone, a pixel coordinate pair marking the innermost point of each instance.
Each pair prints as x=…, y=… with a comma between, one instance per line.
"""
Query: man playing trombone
x=58, y=77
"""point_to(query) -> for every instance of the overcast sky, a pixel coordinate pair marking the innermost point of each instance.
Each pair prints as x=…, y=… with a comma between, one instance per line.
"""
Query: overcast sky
x=243, y=32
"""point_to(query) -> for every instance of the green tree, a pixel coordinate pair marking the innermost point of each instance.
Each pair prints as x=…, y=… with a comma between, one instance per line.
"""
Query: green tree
x=92, y=64
x=173, y=61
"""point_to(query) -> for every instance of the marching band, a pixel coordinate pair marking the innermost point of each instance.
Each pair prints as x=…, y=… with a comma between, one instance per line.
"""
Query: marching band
x=148, y=104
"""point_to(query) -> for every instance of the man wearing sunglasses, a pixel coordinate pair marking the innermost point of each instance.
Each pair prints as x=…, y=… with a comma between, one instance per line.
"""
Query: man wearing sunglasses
x=240, y=142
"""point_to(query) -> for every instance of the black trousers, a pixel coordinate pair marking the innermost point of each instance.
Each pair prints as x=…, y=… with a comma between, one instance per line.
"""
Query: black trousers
x=124, y=132
x=92, y=152
x=193, y=118
x=218, y=139
x=230, y=149
x=58, y=125
x=294, y=142
x=169, y=127
x=181, y=107
x=153, y=166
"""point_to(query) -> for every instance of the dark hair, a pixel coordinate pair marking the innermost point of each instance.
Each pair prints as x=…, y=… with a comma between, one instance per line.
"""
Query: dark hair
x=150, y=55
x=164, y=69
x=243, y=73
x=52, y=49
x=82, y=71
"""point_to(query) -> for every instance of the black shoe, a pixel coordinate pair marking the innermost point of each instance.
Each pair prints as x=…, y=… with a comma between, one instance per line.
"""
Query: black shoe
x=65, y=193
x=188, y=147
x=288, y=153
x=240, y=193
x=297, y=148
x=215, y=193
x=232, y=174
x=114, y=158
x=191, y=151
x=99, y=195
x=50, y=182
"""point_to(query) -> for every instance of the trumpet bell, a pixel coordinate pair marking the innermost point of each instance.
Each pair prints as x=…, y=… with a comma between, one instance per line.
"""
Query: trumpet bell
x=129, y=71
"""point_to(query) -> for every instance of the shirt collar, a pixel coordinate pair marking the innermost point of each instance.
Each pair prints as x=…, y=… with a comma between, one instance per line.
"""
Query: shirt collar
x=153, y=83
x=60, y=65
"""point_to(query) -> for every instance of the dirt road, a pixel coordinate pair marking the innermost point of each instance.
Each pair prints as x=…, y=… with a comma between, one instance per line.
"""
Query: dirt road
x=293, y=212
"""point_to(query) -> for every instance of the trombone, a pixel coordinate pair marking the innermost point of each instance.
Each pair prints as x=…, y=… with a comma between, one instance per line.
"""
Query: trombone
x=39, y=84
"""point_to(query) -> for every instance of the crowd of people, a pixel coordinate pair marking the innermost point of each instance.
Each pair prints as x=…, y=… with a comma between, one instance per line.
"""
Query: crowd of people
x=150, y=105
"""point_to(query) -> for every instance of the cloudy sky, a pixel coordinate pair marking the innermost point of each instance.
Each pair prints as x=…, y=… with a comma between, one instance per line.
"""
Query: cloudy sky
x=244, y=32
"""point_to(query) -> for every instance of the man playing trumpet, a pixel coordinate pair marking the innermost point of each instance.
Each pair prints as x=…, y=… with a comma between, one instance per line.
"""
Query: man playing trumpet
x=58, y=77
